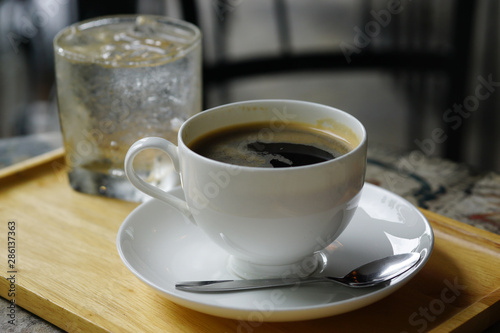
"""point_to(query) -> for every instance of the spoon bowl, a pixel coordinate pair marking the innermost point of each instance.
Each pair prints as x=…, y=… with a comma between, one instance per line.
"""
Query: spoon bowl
x=367, y=275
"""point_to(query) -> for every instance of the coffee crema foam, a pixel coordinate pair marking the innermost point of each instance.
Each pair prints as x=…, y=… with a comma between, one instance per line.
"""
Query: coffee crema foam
x=275, y=145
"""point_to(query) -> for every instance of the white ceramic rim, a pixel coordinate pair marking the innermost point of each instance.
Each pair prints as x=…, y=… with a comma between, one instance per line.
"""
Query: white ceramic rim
x=362, y=144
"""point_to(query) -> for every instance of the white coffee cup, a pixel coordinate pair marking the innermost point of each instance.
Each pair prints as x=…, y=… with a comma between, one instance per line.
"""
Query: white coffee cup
x=270, y=221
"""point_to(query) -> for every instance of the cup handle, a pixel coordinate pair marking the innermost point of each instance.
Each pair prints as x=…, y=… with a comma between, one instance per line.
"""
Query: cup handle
x=171, y=150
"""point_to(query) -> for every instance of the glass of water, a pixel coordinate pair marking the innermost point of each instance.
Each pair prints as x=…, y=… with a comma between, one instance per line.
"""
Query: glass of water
x=119, y=79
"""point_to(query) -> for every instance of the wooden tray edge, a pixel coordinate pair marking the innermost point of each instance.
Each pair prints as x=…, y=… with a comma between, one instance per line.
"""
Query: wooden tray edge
x=462, y=227
x=31, y=163
x=475, y=318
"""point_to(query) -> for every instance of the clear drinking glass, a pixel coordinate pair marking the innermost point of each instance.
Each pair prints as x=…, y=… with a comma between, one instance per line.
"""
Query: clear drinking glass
x=120, y=79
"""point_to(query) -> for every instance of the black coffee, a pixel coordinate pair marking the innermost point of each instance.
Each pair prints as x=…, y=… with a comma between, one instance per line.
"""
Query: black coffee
x=276, y=146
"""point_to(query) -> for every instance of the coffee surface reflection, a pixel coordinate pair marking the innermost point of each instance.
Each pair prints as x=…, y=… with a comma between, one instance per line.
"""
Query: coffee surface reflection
x=267, y=145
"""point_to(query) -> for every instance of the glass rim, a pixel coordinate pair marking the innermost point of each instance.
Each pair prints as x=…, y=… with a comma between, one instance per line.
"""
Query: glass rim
x=194, y=40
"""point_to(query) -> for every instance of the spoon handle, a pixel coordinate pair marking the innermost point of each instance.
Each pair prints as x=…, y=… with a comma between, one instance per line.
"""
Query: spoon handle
x=367, y=275
x=232, y=285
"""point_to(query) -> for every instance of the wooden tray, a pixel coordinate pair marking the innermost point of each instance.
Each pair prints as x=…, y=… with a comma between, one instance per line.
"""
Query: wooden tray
x=68, y=270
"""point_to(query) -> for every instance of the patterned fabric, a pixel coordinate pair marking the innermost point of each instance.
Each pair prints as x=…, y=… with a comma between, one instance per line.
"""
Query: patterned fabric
x=439, y=185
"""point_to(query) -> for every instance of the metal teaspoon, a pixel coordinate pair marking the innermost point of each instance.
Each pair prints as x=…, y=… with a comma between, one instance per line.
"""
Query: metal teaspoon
x=367, y=275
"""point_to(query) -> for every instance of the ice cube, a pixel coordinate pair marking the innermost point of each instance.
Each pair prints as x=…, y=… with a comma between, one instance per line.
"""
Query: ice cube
x=145, y=26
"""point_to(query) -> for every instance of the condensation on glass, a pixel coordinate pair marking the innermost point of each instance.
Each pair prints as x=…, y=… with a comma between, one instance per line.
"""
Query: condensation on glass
x=120, y=79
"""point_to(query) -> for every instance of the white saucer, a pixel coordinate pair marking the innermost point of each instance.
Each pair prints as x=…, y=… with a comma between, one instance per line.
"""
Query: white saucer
x=161, y=249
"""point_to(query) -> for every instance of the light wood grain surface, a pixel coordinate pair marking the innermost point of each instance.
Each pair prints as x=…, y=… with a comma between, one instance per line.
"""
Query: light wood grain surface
x=68, y=270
